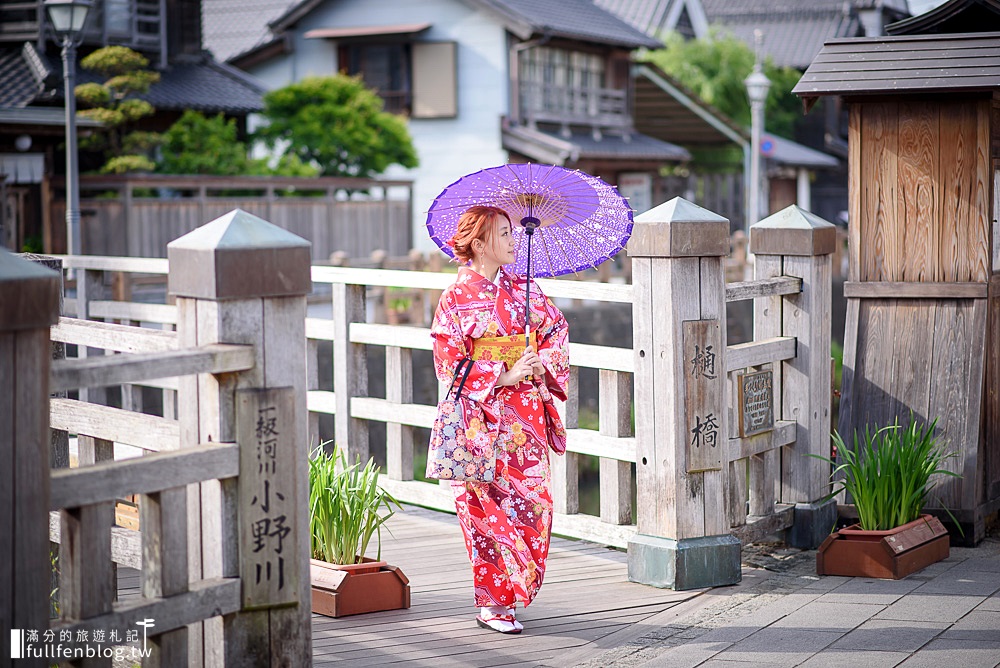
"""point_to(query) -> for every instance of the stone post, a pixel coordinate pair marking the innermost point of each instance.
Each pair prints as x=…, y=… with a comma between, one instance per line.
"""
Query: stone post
x=679, y=324
x=794, y=242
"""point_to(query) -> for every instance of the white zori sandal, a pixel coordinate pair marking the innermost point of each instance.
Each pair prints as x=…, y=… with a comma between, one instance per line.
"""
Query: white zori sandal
x=499, y=619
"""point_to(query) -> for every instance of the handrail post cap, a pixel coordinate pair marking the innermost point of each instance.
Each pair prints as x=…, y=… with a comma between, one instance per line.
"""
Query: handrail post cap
x=29, y=294
x=793, y=231
x=679, y=228
x=239, y=256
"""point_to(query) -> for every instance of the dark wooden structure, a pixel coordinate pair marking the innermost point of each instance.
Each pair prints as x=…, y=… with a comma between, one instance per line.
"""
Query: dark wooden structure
x=923, y=323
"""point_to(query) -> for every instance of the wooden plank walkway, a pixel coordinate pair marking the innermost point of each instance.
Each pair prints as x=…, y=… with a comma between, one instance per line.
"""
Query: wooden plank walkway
x=586, y=598
x=586, y=605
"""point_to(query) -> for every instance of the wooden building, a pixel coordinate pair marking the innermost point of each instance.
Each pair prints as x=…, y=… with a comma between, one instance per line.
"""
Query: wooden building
x=923, y=324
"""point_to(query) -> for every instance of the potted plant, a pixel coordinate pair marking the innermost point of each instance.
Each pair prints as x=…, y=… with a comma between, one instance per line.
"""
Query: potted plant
x=347, y=508
x=888, y=476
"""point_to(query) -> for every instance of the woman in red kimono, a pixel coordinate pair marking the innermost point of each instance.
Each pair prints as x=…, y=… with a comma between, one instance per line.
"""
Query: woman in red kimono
x=506, y=523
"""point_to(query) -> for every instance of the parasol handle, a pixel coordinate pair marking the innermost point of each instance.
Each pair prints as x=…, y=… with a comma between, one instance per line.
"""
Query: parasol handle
x=529, y=224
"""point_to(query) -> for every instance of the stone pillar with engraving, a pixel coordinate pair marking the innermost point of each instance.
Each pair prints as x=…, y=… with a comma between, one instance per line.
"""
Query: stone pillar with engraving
x=679, y=324
x=795, y=242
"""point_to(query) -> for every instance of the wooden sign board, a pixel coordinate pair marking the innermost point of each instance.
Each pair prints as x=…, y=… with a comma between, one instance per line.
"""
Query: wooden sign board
x=755, y=402
x=269, y=561
x=704, y=378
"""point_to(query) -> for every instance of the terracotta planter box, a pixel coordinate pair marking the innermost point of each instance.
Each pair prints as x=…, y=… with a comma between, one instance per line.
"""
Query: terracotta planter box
x=372, y=586
x=891, y=554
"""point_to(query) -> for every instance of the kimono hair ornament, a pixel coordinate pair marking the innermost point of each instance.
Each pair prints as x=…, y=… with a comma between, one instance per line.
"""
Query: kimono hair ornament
x=461, y=446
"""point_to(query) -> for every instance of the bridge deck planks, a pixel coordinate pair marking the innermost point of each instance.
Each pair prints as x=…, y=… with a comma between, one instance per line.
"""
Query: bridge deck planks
x=586, y=597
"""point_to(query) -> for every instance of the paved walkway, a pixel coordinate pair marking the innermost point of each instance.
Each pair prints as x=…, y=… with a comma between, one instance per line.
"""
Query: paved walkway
x=946, y=616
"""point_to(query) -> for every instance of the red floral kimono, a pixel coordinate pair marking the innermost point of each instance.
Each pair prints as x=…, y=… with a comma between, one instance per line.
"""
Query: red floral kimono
x=506, y=523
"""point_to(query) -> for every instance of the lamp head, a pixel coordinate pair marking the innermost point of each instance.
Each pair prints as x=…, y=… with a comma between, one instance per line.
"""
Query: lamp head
x=68, y=16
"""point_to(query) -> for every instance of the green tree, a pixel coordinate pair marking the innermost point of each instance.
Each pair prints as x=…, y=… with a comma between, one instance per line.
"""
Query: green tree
x=337, y=124
x=115, y=104
x=715, y=67
x=196, y=144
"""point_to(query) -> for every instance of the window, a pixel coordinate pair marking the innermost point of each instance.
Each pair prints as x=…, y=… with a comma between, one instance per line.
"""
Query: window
x=561, y=83
x=417, y=79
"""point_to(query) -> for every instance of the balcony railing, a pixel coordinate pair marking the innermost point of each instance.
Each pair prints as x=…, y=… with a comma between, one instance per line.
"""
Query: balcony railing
x=598, y=107
x=137, y=24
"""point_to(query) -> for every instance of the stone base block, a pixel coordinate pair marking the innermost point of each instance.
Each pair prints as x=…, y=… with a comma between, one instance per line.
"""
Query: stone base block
x=812, y=523
x=689, y=563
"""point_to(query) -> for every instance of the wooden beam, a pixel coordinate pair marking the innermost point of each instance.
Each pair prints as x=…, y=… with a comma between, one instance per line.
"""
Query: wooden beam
x=135, y=265
x=783, y=434
x=758, y=528
x=422, y=280
x=382, y=410
x=321, y=401
x=156, y=313
x=765, y=351
x=126, y=544
x=764, y=287
x=103, y=371
x=120, y=338
x=924, y=290
x=148, y=432
x=205, y=599
x=142, y=475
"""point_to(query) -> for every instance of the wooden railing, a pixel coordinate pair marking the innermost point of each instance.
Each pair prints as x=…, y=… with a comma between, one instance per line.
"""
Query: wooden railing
x=598, y=107
x=197, y=479
x=760, y=493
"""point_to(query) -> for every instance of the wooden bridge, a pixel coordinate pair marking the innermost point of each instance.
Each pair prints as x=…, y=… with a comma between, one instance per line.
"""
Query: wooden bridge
x=236, y=341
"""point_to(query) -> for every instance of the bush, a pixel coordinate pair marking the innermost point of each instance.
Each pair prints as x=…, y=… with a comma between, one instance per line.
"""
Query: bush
x=888, y=473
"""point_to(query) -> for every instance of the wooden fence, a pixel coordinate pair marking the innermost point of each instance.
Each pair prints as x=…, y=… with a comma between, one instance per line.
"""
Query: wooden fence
x=224, y=573
x=759, y=482
x=137, y=215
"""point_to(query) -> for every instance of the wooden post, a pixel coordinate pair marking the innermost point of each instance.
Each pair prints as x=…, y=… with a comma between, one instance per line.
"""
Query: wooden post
x=29, y=305
x=350, y=371
x=566, y=469
x=615, y=420
x=399, y=389
x=794, y=242
x=681, y=424
x=90, y=287
x=240, y=279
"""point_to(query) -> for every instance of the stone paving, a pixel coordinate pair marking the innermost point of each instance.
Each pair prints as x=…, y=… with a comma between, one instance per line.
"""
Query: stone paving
x=947, y=615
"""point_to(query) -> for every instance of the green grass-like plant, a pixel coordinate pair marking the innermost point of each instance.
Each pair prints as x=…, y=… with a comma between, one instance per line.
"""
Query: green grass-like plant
x=345, y=504
x=888, y=473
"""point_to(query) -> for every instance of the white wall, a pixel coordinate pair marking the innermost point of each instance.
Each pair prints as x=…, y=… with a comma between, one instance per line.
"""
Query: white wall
x=446, y=148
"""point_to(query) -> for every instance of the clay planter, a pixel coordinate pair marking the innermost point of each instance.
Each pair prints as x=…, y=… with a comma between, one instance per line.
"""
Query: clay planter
x=372, y=586
x=892, y=554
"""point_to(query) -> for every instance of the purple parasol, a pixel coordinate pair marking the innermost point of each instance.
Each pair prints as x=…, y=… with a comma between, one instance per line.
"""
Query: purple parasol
x=575, y=220
x=583, y=221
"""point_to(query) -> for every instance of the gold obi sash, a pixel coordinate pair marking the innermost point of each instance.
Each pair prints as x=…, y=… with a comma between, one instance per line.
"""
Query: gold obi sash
x=507, y=349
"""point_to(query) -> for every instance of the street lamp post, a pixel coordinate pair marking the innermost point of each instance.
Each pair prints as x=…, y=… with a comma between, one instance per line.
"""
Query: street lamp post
x=68, y=18
x=757, y=85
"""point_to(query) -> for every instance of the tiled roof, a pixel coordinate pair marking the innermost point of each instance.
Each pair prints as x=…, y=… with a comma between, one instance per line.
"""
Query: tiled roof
x=576, y=19
x=904, y=64
x=232, y=27
x=794, y=30
x=18, y=87
x=208, y=86
x=572, y=19
x=550, y=146
x=204, y=85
